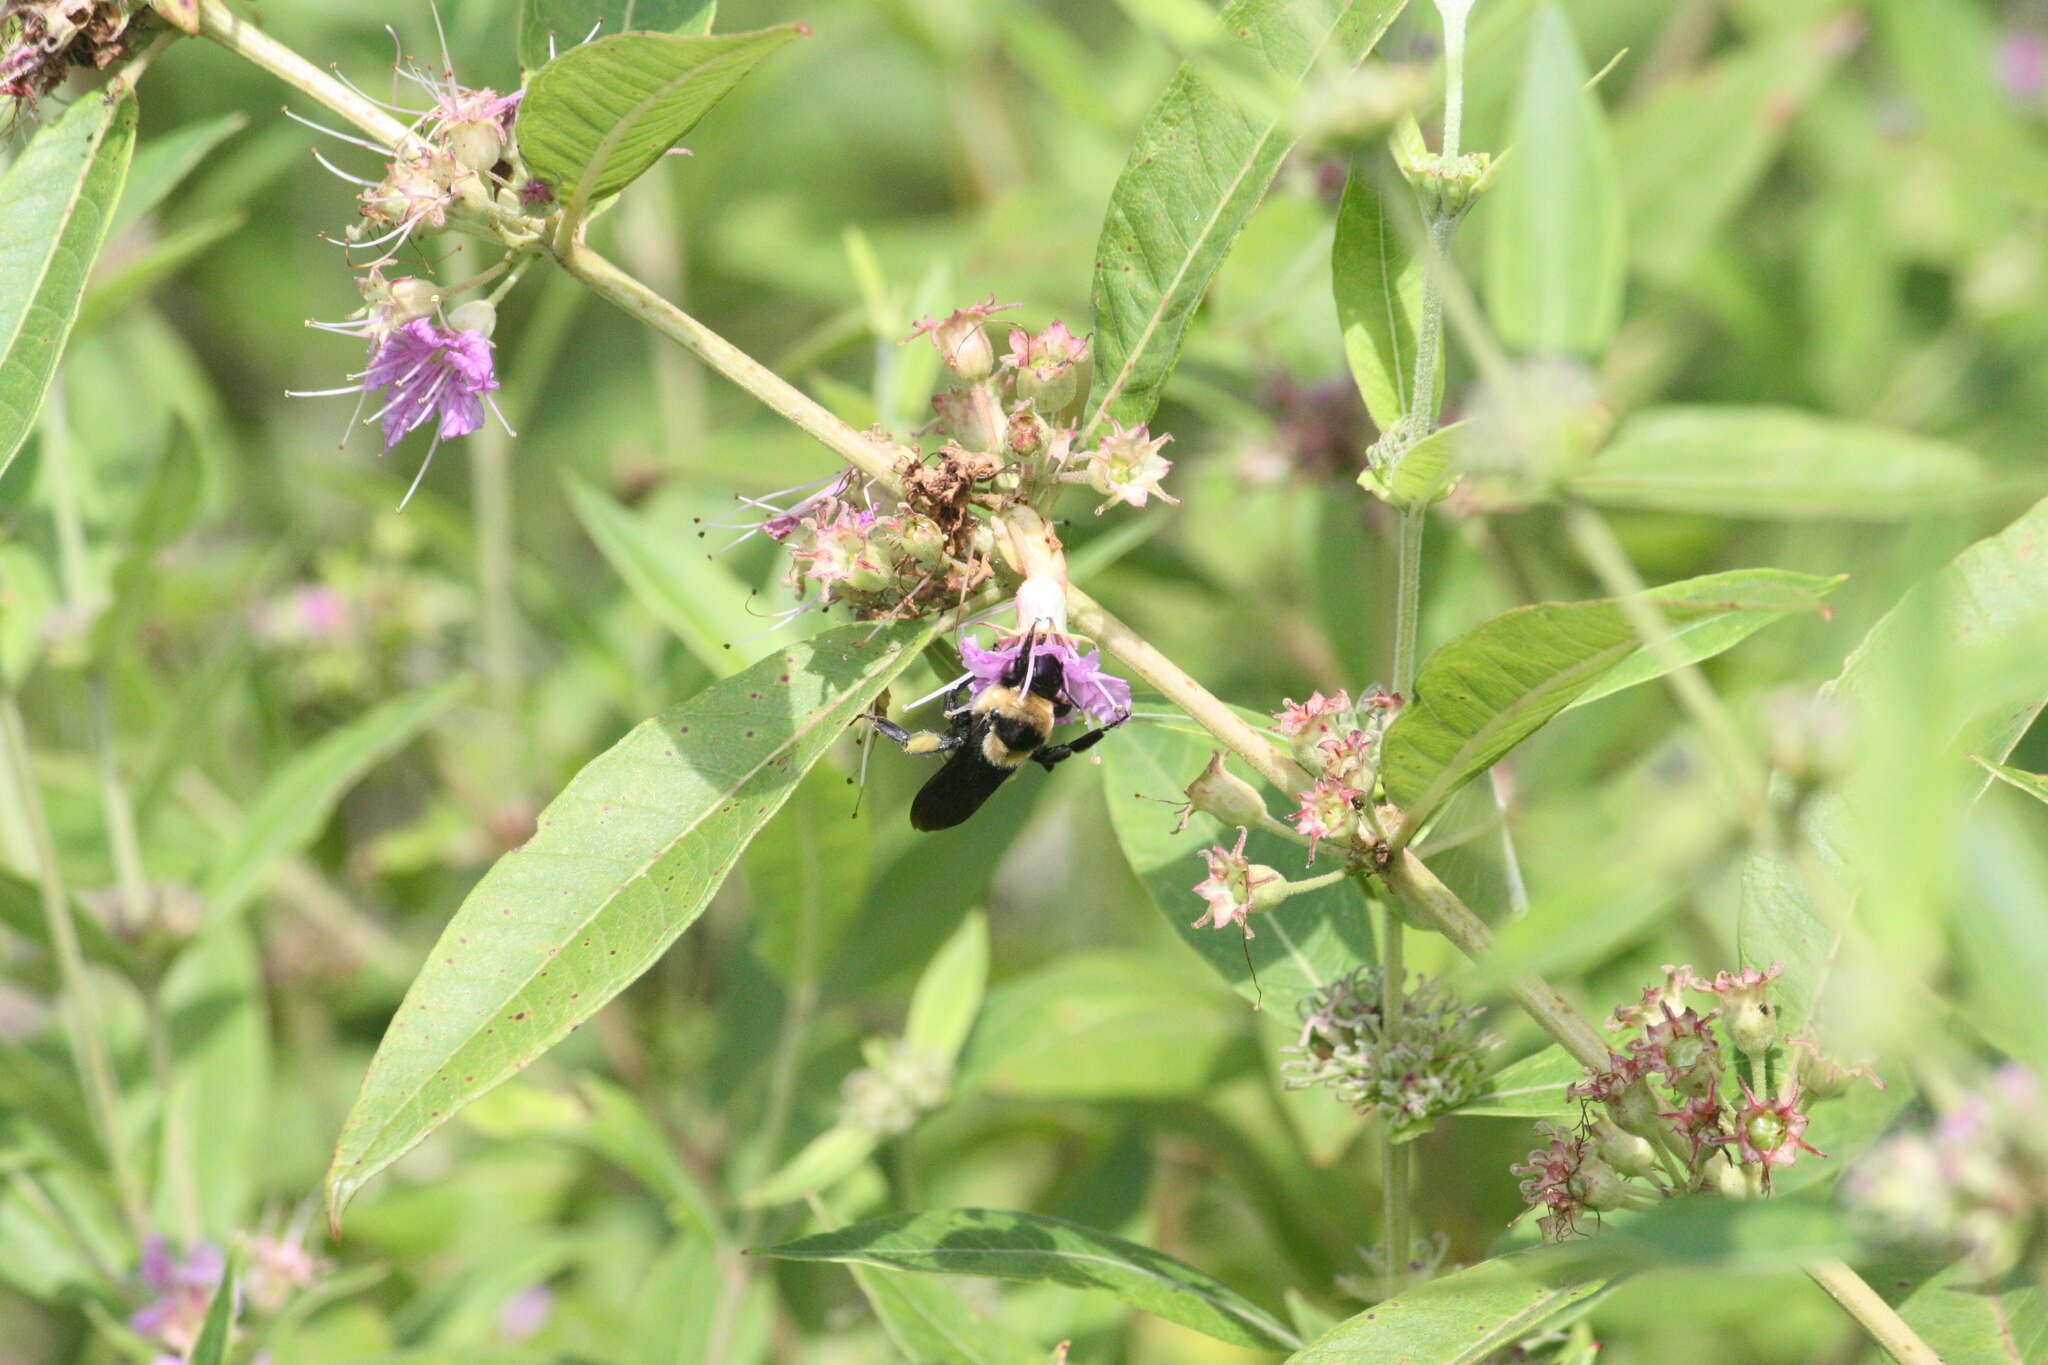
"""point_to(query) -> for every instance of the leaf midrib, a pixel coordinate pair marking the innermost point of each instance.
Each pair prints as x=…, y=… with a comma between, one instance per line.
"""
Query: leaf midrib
x=88, y=169
x=1158, y=314
x=413, y=1094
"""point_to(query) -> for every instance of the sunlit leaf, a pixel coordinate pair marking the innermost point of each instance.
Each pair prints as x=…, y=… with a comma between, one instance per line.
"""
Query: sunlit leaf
x=948, y=994
x=929, y=1321
x=596, y=118
x=59, y=195
x=1030, y=1246
x=2033, y=784
x=1294, y=950
x=548, y=28
x=620, y=863
x=1779, y=463
x=1200, y=165
x=1531, y=1088
x=1105, y=1026
x=823, y=1162
x=1969, y=1320
x=1483, y=693
x=1555, y=251
x=1376, y=270
x=1464, y=1317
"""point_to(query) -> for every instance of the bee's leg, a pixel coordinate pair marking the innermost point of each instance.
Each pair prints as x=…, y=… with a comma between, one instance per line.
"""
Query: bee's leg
x=1060, y=753
x=918, y=741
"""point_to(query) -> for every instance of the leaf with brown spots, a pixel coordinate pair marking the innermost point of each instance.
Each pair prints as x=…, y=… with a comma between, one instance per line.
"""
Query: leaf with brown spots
x=620, y=863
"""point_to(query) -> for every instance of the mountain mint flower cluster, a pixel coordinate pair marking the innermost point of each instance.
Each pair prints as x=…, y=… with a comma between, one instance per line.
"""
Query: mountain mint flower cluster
x=1974, y=1183
x=1683, y=1106
x=1423, y=1062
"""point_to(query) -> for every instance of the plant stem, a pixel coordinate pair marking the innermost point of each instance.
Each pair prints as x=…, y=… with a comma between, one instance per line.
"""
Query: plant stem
x=873, y=456
x=1610, y=563
x=1395, y=1157
x=1872, y=1313
x=1408, y=596
x=245, y=40
x=80, y=1003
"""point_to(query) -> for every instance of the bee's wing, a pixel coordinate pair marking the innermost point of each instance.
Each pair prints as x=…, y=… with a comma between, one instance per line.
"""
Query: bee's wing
x=956, y=790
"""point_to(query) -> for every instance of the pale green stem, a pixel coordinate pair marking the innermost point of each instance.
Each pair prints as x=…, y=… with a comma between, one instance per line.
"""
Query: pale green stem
x=490, y=474
x=244, y=39
x=1872, y=1313
x=1408, y=597
x=80, y=1003
x=1617, y=574
x=1395, y=1157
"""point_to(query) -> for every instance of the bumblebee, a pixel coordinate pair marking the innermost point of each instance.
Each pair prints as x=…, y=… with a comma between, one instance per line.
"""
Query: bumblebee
x=990, y=739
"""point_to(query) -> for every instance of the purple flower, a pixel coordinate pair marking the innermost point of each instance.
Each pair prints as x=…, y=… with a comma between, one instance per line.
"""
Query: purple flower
x=183, y=1287
x=2023, y=66
x=1084, y=687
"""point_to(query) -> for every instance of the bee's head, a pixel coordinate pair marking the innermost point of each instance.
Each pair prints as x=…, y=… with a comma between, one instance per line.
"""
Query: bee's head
x=1040, y=674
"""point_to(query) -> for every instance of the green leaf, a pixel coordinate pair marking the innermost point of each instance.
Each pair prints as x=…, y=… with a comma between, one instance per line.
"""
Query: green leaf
x=1699, y=146
x=671, y=576
x=823, y=1162
x=1462, y=1318
x=162, y=163
x=1708, y=636
x=1771, y=462
x=1555, y=247
x=621, y=863
x=297, y=801
x=948, y=994
x=597, y=117
x=1033, y=1247
x=59, y=195
x=216, y=1332
x=1971, y=1321
x=165, y=511
x=1532, y=1088
x=1376, y=272
x=1307, y=942
x=1199, y=168
x=929, y=1322
x=135, y=275
x=1494, y=686
x=2033, y=784
x=548, y=28
x=1972, y=617
x=218, y=1107
x=1105, y=1026
x=807, y=877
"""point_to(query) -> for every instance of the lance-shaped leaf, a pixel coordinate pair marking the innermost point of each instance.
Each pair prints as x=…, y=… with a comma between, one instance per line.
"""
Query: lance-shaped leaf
x=1034, y=1247
x=1555, y=250
x=1376, y=271
x=1971, y=624
x=1201, y=164
x=929, y=1321
x=1306, y=942
x=2033, y=784
x=596, y=118
x=1463, y=1318
x=1497, y=684
x=620, y=863
x=548, y=28
x=55, y=203
x=217, y=1328
x=1532, y=1088
x=1967, y=1319
x=295, y=804
x=1771, y=462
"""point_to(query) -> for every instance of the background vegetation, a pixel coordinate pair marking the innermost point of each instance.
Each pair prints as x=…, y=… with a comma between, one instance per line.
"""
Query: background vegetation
x=330, y=717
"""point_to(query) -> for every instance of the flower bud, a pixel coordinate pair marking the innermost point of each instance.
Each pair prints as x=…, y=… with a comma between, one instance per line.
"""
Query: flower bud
x=1225, y=795
x=1625, y=1151
x=968, y=415
x=1599, y=1187
x=412, y=297
x=478, y=315
x=476, y=146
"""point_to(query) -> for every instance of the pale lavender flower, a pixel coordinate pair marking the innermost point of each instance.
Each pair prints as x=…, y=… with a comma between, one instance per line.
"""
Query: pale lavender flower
x=427, y=371
x=522, y=1315
x=183, y=1287
x=2023, y=65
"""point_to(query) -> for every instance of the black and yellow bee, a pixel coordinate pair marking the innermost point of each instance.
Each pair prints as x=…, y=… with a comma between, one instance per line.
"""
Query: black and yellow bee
x=990, y=739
